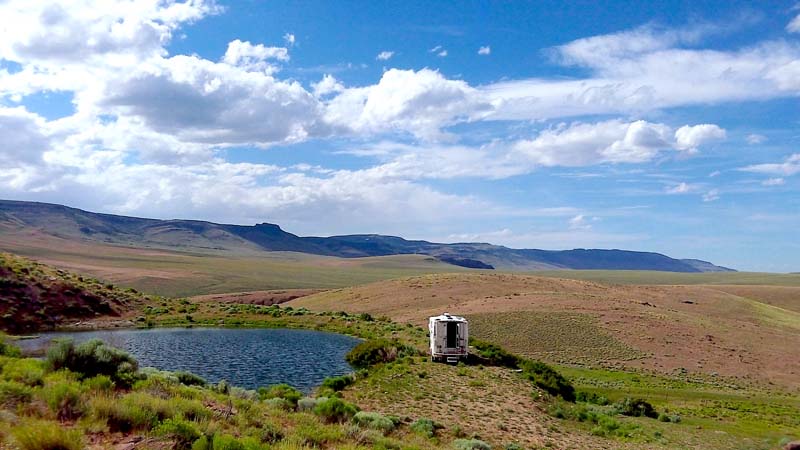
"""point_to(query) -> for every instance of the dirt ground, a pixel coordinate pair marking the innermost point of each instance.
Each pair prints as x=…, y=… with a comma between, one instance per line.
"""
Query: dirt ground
x=265, y=298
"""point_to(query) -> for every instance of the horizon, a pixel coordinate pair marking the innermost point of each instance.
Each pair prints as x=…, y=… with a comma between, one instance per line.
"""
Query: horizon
x=668, y=128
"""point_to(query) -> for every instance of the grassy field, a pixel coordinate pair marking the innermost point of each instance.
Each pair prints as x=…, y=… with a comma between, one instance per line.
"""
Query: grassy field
x=643, y=277
x=178, y=274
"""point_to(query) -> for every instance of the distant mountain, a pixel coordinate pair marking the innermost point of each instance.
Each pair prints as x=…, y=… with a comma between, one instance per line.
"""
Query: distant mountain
x=193, y=235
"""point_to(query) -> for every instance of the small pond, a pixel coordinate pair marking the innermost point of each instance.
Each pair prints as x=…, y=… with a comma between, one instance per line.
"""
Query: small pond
x=248, y=358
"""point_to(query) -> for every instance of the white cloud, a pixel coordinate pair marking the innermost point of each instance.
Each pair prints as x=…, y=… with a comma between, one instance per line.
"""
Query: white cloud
x=435, y=49
x=23, y=138
x=689, y=138
x=486, y=50
x=711, y=196
x=327, y=85
x=384, y=55
x=680, y=188
x=794, y=25
x=715, y=173
x=214, y=103
x=579, y=222
x=755, y=139
x=51, y=33
x=583, y=144
x=419, y=102
x=290, y=39
x=774, y=182
x=253, y=57
x=442, y=54
x=789, y=167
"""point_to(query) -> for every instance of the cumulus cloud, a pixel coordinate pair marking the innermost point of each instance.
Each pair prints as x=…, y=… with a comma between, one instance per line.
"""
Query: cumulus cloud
x=612, y=141
x=290, y=39
x=49, y=32
x=327, y=85
x=789, y=167
x=579, y=222
x=689, y=138
x=253, y=57
x=215, y=103
x=419, y=102
x=486, y=50
x=384, y=55
x=23, y=138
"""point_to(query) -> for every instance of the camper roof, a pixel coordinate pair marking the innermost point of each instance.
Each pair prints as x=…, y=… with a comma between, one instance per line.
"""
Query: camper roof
x=447, y=317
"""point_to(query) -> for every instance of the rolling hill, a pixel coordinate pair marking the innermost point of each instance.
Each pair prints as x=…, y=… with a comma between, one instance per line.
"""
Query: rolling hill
x=191, y=235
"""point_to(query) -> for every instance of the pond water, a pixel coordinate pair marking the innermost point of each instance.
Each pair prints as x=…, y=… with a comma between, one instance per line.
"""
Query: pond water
x=248, y=358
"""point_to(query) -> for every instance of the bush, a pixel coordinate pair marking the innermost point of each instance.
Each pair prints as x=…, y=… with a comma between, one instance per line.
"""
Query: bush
x=309, y=403
x=377, y=351
x=548, y=379
x=135, y=411
x=189, y=379
x=591, y=397
x=281, y=391
x=183, y=433
x=471, y=444
x=41, y=435
x=99, y=383
x=26, y=371
x=13, y=393
x=494, y=355
x=93, y=358
x=513, y=446
x=7, y=349
x=635, y=407
x=374, y=421
x=425, y=427
x=338, y=383
x=335, y=410
x=65, y=399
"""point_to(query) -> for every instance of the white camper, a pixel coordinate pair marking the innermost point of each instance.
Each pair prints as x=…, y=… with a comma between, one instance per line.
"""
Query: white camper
x=449, y=338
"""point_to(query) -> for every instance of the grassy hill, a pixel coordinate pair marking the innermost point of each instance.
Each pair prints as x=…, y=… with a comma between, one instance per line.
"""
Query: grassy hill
x=34, y=296
x=701, y=330
x=199, y=236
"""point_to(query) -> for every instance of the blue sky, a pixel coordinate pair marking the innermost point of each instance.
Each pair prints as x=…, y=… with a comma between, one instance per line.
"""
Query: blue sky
x=668, y=127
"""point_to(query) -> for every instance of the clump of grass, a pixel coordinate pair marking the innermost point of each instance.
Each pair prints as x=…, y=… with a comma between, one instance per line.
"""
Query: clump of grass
x=338, y=383
x=425, y=427
x=471, y=444
x=280, y=391
x=43, y=435
x=65, y=399
x=183, y=433
x=335, y=410
x=374, y=421
x=13, y=393
x=27, y=371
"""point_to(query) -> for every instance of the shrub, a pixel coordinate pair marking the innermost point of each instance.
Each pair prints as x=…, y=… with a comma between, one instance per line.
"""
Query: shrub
x=513, y=446
x=425, y=427
x=471, y=444
x=189, y=379
x=7, y=349
x=338, y=383
x=377, y=351
x=335, y=410
x=135, y=411
x=65, y=399
x=635, y=407
x=548, y=379
x=495, y=355
x=99, y=383
x=26, y=371
x=309, y=403
x=591, y=397
x=374, y=421
x=13, y=393
x=183, y=433
x=281, y=391
x=93, y=358
x=41, y=435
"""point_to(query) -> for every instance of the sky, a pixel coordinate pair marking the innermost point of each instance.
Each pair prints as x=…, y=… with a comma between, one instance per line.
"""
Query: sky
x=671, y=127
